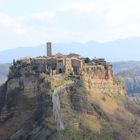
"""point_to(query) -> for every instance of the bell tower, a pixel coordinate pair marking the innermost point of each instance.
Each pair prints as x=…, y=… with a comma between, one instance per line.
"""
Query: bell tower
x=49, y=49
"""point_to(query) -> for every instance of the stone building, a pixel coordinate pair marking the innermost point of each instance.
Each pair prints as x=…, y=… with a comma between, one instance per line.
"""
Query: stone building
x=60, y=65
x=68, y=64
x=72, y=64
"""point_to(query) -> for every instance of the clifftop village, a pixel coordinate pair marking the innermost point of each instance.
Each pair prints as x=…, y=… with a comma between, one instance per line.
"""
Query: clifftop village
x=71, y=64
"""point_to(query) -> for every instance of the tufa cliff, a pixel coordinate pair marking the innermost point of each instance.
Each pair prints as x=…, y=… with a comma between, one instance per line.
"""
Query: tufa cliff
x=39, y=104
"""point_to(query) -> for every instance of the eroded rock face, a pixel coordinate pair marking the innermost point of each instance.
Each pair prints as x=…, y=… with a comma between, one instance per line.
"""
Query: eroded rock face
x=99, y=71
x=13, y=84
x=100, y=78
x=91, y=108
x=24, y=100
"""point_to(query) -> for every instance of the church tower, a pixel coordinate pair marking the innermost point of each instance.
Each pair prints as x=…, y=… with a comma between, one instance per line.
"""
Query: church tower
x=49, y=49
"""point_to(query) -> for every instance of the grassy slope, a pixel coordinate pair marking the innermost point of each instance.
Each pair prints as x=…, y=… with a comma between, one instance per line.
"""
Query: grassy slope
x=99, y=115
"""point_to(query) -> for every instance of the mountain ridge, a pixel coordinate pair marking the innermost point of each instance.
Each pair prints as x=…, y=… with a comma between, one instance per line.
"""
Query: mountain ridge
x=118, y=50
x=129, y=72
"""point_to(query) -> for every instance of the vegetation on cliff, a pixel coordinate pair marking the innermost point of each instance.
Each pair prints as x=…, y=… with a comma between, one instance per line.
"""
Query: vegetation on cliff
x=93, y=108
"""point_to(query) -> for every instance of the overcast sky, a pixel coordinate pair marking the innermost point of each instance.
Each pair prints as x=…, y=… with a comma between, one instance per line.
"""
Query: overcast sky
x=33, y=22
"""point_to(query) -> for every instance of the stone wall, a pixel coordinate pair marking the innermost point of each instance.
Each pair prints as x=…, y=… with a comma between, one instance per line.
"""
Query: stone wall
x=98, y=72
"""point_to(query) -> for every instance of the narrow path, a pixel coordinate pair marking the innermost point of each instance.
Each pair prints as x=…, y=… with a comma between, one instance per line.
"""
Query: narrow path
x=56, y=105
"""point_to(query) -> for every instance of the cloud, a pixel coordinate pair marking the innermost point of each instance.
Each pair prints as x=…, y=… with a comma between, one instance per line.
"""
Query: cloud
x=77, y=21
x=81, y=7
x=11, y=23
x=44, y=15
x=112, y=12
x=21, y=24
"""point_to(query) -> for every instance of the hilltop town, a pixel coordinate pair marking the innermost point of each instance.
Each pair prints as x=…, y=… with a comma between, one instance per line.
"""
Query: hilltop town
x=69, y=65
x=59, y=97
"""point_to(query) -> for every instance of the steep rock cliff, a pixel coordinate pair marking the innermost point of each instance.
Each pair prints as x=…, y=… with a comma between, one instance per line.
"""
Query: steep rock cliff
x=25, y=101
x=95, y=106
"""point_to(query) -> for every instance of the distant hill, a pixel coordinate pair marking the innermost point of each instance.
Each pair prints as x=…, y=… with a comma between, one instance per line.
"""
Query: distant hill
x=119, y=50
x=125, y=65
x=4, y=69
x=130, y=72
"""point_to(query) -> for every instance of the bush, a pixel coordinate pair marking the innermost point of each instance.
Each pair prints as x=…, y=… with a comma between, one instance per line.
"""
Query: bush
x=87, y=60
x=117, y=81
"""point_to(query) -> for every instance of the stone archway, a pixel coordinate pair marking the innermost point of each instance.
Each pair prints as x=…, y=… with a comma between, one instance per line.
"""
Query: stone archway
x=60, y=70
